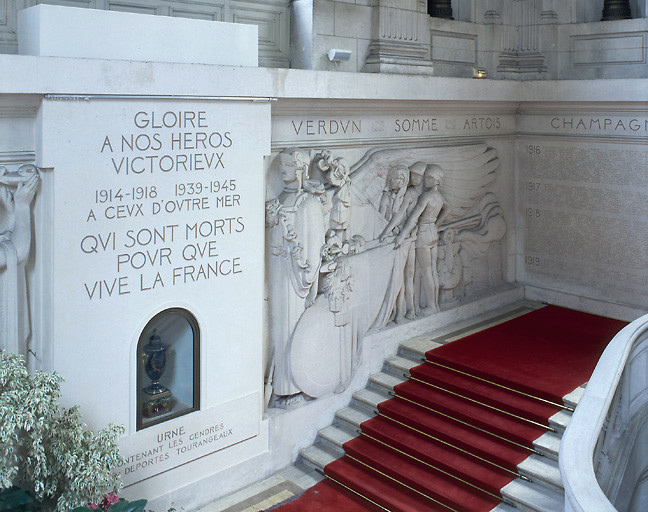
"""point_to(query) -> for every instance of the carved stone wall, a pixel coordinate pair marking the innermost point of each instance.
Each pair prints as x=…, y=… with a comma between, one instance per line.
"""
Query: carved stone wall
x=271, y=16
x=357, y=239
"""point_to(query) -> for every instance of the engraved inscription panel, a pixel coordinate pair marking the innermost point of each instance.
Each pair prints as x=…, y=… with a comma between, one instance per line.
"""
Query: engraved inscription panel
x=585, y=209
x=156, y=207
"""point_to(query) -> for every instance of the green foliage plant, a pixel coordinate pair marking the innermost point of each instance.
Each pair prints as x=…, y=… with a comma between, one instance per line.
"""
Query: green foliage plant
x=46, y=449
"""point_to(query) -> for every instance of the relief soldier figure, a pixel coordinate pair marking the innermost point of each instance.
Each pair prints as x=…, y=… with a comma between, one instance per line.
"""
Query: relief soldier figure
x=426, y=216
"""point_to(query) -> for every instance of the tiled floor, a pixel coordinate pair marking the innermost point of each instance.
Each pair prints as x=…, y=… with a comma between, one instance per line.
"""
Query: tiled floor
x=282, y=486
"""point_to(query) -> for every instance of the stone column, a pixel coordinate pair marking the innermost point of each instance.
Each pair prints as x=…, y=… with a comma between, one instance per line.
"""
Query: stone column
x=616, y=10
x=440, y=9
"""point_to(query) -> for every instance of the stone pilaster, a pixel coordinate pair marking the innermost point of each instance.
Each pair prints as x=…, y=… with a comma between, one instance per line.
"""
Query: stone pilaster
x=521, y=48
x=401, y=38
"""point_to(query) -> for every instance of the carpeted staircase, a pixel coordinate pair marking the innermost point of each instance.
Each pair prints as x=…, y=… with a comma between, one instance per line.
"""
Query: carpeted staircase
x=439, y=436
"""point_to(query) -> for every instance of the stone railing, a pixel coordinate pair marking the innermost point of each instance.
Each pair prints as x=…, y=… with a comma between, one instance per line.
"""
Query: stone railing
x=602, y=459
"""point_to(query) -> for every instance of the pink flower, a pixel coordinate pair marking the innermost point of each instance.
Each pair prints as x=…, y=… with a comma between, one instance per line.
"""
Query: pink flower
x=109, y=500
x=93, y=506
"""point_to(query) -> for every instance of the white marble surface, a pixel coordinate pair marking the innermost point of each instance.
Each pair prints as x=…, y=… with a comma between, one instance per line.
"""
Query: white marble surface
x=130, y=36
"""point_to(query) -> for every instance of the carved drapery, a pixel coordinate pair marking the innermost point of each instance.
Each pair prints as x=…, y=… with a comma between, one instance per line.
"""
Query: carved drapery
x=616, y=10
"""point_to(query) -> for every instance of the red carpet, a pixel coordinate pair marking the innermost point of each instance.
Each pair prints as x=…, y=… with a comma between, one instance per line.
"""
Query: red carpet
x=326, y=496
x=449, y=441
x=557, y=347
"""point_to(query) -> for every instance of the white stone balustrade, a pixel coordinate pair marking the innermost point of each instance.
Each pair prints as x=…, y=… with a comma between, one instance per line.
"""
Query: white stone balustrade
x=602, y=456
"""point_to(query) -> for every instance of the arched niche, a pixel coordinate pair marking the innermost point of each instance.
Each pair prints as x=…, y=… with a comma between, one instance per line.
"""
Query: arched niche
x=168, y=367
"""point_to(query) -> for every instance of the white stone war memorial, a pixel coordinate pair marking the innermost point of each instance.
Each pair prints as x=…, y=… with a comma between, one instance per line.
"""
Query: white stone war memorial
x=215, y=233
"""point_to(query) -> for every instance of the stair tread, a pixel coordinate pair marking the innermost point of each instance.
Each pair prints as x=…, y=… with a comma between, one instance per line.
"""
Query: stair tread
x=475, y=414
x=353, y=415
x=437, y=454
x=484, y=392
x=549, y=444
x=370, y=397
x=503, y=507
x=572, y=399
x=336, y=435
x=415, y=474
x=534, y=497
x=386, y=380
x=401, y=364
x=420, y=345
x=425, y=342
x=379, y=489
x=541, y=468
x=461, y=436
x=319, y=455
x=560, y=420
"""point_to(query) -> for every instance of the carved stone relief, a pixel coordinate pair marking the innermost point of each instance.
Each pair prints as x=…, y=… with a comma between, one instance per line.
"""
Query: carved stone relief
x=17, y=190
x=399, y=235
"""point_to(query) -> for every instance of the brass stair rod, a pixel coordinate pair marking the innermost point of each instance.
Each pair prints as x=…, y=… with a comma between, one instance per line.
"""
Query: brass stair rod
x=401, y=483
x=356, y=493
x=480, y=403
x=433, y=467
x=562, y=406
x=466, y=423
x=439, y=440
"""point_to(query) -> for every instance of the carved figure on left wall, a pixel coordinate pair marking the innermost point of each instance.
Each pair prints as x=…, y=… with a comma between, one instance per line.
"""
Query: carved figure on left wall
x=296, y=223
x=17, y=190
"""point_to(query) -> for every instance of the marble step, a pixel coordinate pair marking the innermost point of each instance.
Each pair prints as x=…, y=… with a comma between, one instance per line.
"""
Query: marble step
x=319, y=455
x=370, y=398
x=549, y=445
x=529, y=497
x=416, y=348
x=503, y=507
x=572, y=399
x=399, y=365
x=560, y=420
x=337, y=435
x=353, y=416
x=386, y=381
x=542, y=471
